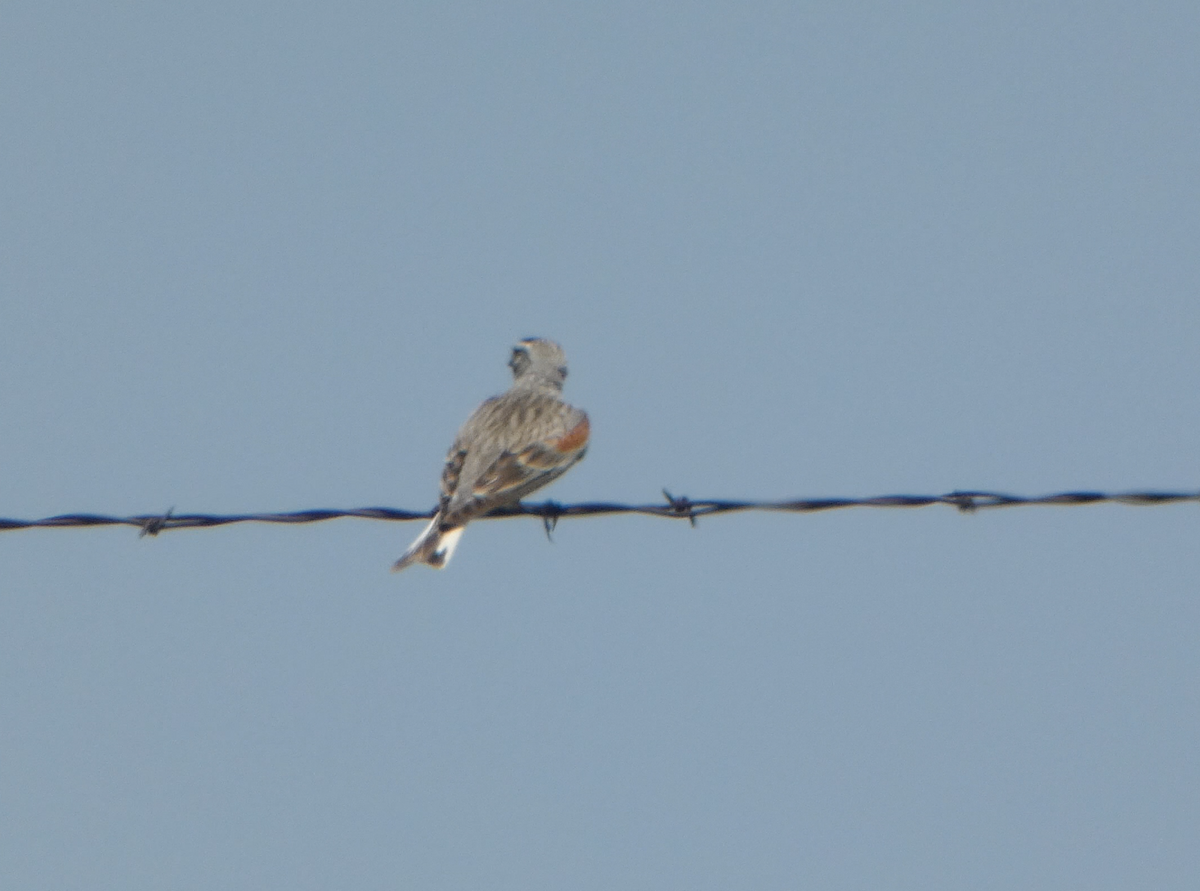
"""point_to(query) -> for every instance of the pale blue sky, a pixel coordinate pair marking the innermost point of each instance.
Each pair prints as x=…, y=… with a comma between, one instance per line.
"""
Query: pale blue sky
x=267, y=256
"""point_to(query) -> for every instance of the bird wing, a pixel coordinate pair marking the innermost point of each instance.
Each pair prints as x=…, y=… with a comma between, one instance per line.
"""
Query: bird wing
x=514, y=474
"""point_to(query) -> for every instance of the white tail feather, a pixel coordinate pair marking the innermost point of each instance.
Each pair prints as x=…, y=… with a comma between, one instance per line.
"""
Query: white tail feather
x=432, y=547
x=445, y=549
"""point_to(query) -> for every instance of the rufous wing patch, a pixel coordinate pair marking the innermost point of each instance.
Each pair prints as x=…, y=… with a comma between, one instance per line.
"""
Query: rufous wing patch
x=574, y=439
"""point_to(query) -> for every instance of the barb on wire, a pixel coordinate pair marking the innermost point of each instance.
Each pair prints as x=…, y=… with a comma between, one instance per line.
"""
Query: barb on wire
x=680, y=508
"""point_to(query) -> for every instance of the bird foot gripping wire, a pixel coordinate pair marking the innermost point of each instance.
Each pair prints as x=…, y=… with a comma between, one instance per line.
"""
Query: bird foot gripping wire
x=551, y=511
x=681, y=507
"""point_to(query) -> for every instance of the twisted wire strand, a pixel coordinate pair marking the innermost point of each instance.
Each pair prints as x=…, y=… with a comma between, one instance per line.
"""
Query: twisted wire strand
x=676, y=507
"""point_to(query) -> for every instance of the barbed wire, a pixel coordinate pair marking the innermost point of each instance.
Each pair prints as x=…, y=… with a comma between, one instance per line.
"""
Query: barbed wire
x=679, y=508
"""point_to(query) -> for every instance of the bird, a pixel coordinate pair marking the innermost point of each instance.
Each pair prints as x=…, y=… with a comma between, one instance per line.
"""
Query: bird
x=511, y=445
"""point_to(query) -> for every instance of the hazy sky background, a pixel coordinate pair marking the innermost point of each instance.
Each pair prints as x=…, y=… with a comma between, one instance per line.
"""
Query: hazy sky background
x=262, y=256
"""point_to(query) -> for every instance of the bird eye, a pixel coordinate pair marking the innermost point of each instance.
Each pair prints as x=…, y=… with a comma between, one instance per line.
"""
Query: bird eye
x=562, y=369
x=519, y=360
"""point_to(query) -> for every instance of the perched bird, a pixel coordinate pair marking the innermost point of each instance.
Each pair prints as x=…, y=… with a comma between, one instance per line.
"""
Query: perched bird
x=511, y=445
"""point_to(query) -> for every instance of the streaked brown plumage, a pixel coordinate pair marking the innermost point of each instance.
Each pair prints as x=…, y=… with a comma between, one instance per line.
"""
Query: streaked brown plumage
x=511, y=445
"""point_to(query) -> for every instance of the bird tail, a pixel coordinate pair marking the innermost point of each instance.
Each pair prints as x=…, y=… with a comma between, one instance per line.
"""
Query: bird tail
x=433, y=547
